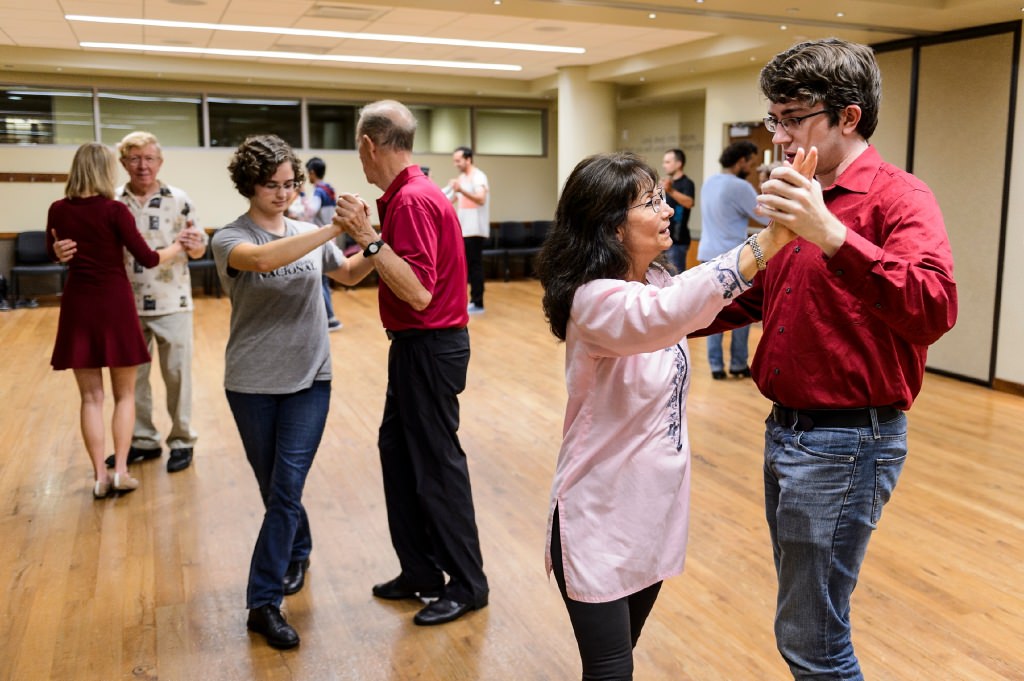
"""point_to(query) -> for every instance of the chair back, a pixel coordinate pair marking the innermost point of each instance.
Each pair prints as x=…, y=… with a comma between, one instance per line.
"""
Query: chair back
x=30, y=248
x=512, y=234
x=539, y=231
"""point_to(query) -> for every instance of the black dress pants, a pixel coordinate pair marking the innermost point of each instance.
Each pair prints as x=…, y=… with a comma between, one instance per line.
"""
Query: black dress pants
x=426, y=479
x=606, y=633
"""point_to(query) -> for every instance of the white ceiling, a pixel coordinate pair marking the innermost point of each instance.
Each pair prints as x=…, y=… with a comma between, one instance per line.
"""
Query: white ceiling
x=623, y=44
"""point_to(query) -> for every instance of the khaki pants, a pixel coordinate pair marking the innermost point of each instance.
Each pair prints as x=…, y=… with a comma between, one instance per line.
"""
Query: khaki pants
x=173, y=336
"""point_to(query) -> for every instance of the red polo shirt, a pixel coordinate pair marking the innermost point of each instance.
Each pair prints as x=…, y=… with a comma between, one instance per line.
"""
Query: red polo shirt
x=853, y=330
x=420, y=225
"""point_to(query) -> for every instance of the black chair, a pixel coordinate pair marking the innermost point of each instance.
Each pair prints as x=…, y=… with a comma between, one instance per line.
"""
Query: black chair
x=539, y=232
x=204, y=270
x=514, y=237
x=494, y=252
x=31, y=259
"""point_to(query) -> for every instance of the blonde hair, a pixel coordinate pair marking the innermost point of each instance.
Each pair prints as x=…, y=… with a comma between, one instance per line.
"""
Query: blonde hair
x=92, y=172
x=137, y=140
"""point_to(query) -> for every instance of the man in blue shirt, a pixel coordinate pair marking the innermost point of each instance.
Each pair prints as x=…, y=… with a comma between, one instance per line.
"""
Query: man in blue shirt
x=728, y=203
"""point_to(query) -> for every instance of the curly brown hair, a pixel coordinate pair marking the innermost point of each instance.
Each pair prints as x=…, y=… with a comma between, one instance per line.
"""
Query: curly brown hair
x=257, y=159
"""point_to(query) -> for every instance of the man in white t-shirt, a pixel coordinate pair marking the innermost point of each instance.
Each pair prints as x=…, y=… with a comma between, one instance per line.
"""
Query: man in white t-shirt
x=470, y=193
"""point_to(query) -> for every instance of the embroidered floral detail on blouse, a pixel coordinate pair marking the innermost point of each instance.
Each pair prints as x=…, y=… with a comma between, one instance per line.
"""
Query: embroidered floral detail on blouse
x=728, y=276
x=674, y=408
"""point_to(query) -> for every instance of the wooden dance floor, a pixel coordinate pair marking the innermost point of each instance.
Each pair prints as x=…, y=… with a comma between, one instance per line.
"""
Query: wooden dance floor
x=152, y=585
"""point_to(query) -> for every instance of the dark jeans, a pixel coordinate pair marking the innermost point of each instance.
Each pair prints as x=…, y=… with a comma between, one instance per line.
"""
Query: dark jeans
x=475, y=267
x=426, y=479
x=606, y=633
x=280, y=434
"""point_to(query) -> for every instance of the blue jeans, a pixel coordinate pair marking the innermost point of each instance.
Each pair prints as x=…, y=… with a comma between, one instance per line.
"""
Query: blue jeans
x=738, y=350
x=824, y=491
x=280, y=434
x=677, y=256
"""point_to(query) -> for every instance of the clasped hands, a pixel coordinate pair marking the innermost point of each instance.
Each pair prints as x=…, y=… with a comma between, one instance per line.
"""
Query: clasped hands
x=189, y=239
x=792, y=198
x=352, y=216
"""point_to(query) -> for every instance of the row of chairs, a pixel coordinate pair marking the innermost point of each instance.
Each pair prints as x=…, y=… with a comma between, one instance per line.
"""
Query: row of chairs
x=511, y=240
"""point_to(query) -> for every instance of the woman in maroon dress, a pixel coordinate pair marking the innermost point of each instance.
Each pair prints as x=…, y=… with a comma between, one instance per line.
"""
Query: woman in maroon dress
x=98, y=325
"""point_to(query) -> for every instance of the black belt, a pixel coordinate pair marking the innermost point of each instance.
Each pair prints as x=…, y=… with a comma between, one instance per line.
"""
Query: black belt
x=406, y=334
x=809, y=419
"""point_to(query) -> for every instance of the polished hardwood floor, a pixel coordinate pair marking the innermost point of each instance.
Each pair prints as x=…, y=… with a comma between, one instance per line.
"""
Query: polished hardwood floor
x=151, y=585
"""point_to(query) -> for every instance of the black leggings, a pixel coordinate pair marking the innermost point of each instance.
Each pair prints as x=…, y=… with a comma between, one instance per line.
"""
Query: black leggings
x=605, y=632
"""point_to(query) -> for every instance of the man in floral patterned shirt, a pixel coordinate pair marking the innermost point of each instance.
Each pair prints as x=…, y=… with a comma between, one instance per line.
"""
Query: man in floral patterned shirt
x=163, y=297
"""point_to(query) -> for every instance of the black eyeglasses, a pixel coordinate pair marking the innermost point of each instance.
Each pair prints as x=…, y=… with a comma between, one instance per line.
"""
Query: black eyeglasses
x=790, y=122
x=274, y=186
x=654, y=202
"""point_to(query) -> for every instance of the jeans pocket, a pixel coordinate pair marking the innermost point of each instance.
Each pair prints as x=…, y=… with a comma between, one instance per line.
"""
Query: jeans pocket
x=887, y=472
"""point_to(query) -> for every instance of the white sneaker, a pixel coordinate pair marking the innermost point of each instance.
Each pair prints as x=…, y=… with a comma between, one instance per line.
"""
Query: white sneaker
x=473, y=308
x=334, y=325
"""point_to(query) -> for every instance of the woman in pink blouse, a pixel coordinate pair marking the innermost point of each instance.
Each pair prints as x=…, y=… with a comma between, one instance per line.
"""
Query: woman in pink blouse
x=619, y=502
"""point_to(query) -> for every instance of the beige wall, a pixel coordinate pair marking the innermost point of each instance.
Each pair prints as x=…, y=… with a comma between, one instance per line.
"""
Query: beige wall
x=1009, y=359
x=523, y=188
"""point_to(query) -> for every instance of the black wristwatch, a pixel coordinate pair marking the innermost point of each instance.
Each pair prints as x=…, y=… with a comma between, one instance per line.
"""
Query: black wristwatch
x=373, y=249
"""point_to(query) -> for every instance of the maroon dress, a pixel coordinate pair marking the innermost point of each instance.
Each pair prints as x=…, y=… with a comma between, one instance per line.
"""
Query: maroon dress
x=99, y=326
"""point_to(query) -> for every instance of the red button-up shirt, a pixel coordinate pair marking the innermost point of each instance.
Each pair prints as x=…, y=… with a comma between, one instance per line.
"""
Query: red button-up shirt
x=853, y=330
x=420, y=225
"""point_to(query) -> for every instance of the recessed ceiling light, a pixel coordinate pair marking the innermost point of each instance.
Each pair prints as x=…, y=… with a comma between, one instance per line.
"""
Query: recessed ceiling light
x=840, y=14
x=783, y=27
x=306, y=32
x=497, y=2
x=268, y=54
x=652, y=15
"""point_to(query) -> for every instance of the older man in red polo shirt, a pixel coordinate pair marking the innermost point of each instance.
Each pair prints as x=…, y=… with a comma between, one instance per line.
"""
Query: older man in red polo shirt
x=421, y=263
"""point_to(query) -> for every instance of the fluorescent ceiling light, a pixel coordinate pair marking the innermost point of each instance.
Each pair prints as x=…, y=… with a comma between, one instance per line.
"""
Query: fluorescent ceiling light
x=308, y=32
x=268, y=54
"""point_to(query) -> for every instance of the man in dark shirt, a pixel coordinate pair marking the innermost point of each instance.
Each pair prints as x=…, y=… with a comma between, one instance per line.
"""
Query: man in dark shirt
x=679, y=193
x=420, y=259
x=849, y=311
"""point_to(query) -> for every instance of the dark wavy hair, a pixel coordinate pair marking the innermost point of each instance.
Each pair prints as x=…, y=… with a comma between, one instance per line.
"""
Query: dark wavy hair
x=831, y=71
x=257, y=159
x=582, y=244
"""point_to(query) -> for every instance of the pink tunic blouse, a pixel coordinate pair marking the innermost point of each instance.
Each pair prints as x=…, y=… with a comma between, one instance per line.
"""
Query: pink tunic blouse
x=622, y=482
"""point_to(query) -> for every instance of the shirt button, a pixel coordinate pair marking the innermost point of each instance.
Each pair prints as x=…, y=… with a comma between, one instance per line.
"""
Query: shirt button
x=796, y=250
x=788, y=289
x=781, y=329
x=776, y=371
x=839, y=272
x=878, y=306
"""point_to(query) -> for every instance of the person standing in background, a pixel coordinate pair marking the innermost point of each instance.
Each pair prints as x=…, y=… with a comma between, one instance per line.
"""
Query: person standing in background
x=679, y=193
x=319, y=208
x=471, y=193
x=728, y=204
x=163, y=298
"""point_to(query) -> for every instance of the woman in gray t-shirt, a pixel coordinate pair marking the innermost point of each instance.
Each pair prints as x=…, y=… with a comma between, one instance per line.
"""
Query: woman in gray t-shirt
x=278, y=362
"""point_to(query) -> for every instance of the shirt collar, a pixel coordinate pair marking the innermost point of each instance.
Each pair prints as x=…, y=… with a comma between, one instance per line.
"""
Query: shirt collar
x=400, y=180
x=861, y=173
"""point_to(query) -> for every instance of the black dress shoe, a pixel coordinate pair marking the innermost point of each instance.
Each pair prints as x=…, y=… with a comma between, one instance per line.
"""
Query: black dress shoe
x=398, y=589
x=443, y=610
x=718, y=375
x=295, y=576
x=136, y=454
x=179, y=460
x=742, y=373
x=268, y=620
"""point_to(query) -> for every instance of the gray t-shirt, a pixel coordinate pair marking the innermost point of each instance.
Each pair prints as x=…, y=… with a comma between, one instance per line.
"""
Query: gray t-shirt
x=278, y=342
